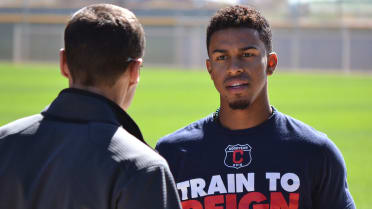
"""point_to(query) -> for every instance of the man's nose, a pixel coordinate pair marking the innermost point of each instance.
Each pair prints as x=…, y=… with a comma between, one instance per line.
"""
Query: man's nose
x=236, y=66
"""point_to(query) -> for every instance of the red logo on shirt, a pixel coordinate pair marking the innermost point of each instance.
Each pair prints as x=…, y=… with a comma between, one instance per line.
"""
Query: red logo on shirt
x=238, y=156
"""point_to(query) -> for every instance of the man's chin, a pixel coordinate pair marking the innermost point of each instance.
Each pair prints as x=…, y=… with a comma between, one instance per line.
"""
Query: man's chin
x=239, y=105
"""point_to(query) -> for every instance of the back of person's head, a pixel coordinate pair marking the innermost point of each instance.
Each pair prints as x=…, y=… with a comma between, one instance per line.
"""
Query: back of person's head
x=240, y=17
x=100, y=41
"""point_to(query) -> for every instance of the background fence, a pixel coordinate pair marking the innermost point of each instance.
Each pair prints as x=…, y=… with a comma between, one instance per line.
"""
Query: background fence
x=305, y=36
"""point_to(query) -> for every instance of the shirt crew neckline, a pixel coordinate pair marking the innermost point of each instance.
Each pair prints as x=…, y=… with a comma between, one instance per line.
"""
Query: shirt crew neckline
x=266, y=125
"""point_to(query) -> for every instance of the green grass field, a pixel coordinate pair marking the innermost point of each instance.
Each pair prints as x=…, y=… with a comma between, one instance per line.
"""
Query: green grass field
x=166, y=100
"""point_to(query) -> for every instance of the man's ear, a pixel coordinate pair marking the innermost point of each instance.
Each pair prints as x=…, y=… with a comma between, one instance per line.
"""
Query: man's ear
x=272, y=61
x=208, y=65
x=134, y=71
x=65, y=71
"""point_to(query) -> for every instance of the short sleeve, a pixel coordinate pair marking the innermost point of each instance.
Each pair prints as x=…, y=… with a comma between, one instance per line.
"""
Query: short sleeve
x=332, y=190
x=149, y=188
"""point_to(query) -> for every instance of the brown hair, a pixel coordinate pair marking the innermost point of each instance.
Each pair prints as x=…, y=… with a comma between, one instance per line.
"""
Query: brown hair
x=237, y=17
x=99, y=40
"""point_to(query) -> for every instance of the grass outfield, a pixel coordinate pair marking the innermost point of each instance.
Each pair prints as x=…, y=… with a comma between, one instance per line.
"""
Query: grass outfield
x=166, y=100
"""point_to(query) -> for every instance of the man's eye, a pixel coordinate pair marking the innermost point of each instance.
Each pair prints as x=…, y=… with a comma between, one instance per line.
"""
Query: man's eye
x=222, y=57
x=248, y=54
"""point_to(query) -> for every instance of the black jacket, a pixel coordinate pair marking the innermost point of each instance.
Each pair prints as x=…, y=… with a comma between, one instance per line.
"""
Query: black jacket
x=83, y=151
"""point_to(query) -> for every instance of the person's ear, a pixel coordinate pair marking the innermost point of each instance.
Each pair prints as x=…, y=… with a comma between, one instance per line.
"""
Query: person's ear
x=65, y=71
x=208, y=65
x=272, y=61
x=134, y=73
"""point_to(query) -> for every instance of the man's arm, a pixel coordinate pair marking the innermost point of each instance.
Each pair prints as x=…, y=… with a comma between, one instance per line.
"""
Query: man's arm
x=150, y=188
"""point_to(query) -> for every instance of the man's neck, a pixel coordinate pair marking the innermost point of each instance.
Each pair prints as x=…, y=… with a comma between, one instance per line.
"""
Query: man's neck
x=250, y=117
x=112, y=93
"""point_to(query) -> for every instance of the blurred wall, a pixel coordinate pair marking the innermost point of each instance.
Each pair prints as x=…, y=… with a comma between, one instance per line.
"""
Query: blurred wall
x=178, y=40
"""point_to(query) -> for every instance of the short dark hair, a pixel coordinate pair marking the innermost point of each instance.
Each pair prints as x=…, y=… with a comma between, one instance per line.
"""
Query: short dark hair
x=99, y=39
x=240, y=17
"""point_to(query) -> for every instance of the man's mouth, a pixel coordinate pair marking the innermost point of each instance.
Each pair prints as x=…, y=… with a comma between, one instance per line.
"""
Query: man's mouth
x=237, y=84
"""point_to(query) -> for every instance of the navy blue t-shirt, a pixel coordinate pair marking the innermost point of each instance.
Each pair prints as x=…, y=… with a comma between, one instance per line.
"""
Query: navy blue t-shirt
x=279, y=164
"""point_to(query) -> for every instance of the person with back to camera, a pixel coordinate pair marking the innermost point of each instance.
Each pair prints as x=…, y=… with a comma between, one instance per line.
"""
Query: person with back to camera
x=84, y=151
x=248, y=154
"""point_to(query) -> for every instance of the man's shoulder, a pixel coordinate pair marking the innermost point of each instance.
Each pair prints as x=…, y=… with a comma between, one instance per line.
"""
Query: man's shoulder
x=190, y=133
x=301, y=133
x=293, y=126
x=20, y=125
x=128, y=150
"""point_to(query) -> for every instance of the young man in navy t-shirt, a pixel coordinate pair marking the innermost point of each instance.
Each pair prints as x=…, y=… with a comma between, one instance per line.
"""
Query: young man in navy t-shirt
x=247, y=154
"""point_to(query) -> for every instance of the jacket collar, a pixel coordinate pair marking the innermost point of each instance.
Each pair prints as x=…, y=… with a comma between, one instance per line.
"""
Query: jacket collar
x=83, y=106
